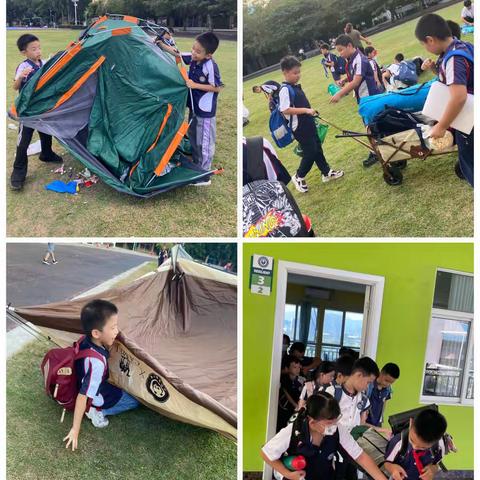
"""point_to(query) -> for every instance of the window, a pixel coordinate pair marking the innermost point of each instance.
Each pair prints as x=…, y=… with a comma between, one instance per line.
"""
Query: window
x=340, y=329
x=290, y=320
x=448, y=374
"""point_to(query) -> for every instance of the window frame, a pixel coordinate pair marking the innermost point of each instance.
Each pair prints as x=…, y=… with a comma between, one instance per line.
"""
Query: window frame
x=468, y=317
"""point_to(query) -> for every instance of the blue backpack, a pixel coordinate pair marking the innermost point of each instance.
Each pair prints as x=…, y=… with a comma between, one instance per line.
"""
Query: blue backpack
x=280, y=128
x=407, y=73
x=467, y=54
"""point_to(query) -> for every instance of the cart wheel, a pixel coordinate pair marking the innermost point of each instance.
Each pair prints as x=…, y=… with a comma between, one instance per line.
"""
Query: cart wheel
x=392, y=175
x=458, y=171
x=401, y=164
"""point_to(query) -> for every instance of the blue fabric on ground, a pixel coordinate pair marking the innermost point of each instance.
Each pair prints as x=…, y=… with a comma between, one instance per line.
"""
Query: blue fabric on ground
x=62, y=187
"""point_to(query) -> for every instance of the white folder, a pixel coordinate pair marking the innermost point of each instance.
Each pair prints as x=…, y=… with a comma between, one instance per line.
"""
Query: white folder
x=436, y=103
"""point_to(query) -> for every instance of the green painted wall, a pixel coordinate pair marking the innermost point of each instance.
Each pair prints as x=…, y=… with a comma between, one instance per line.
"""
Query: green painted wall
x=409, y=271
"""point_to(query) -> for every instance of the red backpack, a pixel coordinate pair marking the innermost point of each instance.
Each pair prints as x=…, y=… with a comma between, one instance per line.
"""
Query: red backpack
x=60, y=378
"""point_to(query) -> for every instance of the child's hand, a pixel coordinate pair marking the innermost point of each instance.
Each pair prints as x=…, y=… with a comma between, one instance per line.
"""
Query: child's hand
x=336, y=98
x=190, y=83
x=310, y=111
x=428, y=472
x=26, y=72
x=72, y=438
x=437, y=131
x=385, y=431
x=300, y=475
x=397, y=472
x=428, y=64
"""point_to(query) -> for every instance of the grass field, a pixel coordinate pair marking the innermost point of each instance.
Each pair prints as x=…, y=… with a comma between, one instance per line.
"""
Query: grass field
x=139, y=444
x=431, y=202
x=102, y=211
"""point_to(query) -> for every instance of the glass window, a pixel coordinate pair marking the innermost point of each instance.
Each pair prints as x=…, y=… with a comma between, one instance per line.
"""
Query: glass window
x=453, y=292
x=312, y=328
x=352, y=335
x=332, y=327
x=446, y=354
x=290, y=320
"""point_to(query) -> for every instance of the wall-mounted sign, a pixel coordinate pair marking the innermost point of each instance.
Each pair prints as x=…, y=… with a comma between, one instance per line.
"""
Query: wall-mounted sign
x=261, y=274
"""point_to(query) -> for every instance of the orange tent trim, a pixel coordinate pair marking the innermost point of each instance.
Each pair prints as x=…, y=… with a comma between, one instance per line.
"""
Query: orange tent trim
x=171, y=148
x=121, y=31
x=130, y=19
x=162, y=126
x=69, y=54
x=100, y=20
x=79, y=82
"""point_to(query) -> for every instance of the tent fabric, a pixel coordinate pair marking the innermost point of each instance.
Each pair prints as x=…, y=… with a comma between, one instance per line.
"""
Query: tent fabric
x=180, y=325
x=121, y=97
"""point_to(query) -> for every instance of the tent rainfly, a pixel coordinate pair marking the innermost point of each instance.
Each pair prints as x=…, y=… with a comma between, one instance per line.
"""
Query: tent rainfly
x=177, y=347
x=116, y=102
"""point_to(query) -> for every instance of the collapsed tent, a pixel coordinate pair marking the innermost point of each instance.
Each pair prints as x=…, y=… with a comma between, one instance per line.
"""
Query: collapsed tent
x=177, y=347
x=116, y=102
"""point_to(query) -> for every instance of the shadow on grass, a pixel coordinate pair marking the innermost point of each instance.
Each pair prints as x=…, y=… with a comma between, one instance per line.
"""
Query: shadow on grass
x=140, y=444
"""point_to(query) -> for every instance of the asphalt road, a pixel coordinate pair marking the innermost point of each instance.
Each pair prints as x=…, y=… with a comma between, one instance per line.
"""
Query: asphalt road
x=30, y=282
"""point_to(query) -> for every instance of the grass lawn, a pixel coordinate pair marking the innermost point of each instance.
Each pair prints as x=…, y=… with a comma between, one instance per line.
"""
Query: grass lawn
x=102, y=211
x=431, y=202
x=140, y=444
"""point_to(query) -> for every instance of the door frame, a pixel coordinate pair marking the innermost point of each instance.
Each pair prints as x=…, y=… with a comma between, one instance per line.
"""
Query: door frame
x=369, y=340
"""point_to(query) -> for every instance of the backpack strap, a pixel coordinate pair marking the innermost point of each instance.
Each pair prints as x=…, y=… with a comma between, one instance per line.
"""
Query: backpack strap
x=337, y=393
x=291, y=92
x=92, y=353
x=404, y=445
x=255, y=165
x=468, y=54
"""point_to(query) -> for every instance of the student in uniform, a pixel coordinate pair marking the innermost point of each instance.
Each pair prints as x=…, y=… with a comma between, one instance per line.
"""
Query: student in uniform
x=323, y=376
x=379, y=391
x=343, y=369
x=317, y=434
x=425, y=448
x=290, y=387
x=297, y=349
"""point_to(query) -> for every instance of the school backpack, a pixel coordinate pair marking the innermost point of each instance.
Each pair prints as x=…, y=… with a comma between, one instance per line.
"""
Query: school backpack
x=280, y=128
x=407, y=73
x=261, y=163
x=60, y=379
x=269, y=210
x=468, y=54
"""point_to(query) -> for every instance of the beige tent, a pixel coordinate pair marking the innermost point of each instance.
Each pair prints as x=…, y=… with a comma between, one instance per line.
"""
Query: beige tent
x=177, y=350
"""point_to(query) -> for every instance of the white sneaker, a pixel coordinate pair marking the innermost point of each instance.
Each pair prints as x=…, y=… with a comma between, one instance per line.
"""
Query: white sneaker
x=332, y=175
x=202, y=184
x=45, y=262
x=300, y=184
x=97, y=418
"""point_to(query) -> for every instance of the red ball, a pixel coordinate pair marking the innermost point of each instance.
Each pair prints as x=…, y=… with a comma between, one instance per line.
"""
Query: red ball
x=299, y=463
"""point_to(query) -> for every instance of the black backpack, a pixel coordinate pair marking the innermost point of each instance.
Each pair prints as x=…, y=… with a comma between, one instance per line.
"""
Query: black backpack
x=269, y=210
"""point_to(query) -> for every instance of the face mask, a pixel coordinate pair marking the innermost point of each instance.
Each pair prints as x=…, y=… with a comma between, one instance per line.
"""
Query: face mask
x=330, y=430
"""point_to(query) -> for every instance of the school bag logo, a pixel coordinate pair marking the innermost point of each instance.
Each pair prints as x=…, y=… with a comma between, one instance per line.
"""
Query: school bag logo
x=156, y=388
x=280, y=128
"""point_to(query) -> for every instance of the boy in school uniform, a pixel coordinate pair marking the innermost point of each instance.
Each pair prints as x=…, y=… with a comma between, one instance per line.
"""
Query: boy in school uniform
x=425, y=448
x=297, y=110
x=297, y=350
x=97, y=398
x=330, y=60
x=343, y=369
x=205, y=82
x=291, y=385
x=391, y=72
x=371, y=53
x=436, y=37
x=380, y=391
x=29, y=46
x=360, y=78
x=354, y=404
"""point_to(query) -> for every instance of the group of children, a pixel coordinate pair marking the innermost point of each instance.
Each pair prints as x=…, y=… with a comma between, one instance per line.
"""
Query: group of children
x=315, y=418
x=203, y=80
x=365, y=78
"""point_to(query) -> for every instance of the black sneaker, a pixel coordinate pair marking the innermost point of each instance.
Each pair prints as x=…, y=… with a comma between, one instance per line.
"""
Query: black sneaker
x=16, y=184
x=371, y=160
x=53, y=158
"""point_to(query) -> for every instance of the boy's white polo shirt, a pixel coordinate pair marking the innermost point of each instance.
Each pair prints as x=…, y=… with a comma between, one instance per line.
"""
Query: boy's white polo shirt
x=285, y=103
x=351, y=406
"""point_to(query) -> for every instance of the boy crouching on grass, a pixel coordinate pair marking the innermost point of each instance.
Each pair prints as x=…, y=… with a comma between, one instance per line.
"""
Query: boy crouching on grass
x=297, y=110
x=97, y=398
x=436, y=37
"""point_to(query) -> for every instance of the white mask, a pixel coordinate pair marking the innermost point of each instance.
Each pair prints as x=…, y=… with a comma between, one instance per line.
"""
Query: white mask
x=330, y=430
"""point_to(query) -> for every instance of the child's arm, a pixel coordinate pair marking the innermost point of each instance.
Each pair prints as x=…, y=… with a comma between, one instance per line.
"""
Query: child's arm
x=396, y=471
x=290, y=399
x=357, y=80
x=429, y=472
x=366, y=462
x=80, y=407
x=168, y=48
x=299, y=111
x=17, y=83
x=458, y=97
x=205, y=88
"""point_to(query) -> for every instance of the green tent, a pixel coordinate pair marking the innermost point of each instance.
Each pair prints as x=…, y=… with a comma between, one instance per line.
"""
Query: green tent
x=117, y=102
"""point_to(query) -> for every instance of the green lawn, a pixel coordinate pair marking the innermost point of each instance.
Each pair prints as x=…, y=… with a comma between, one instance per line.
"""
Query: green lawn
x=431, y=202
x=140, y=444
x=102, y=211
